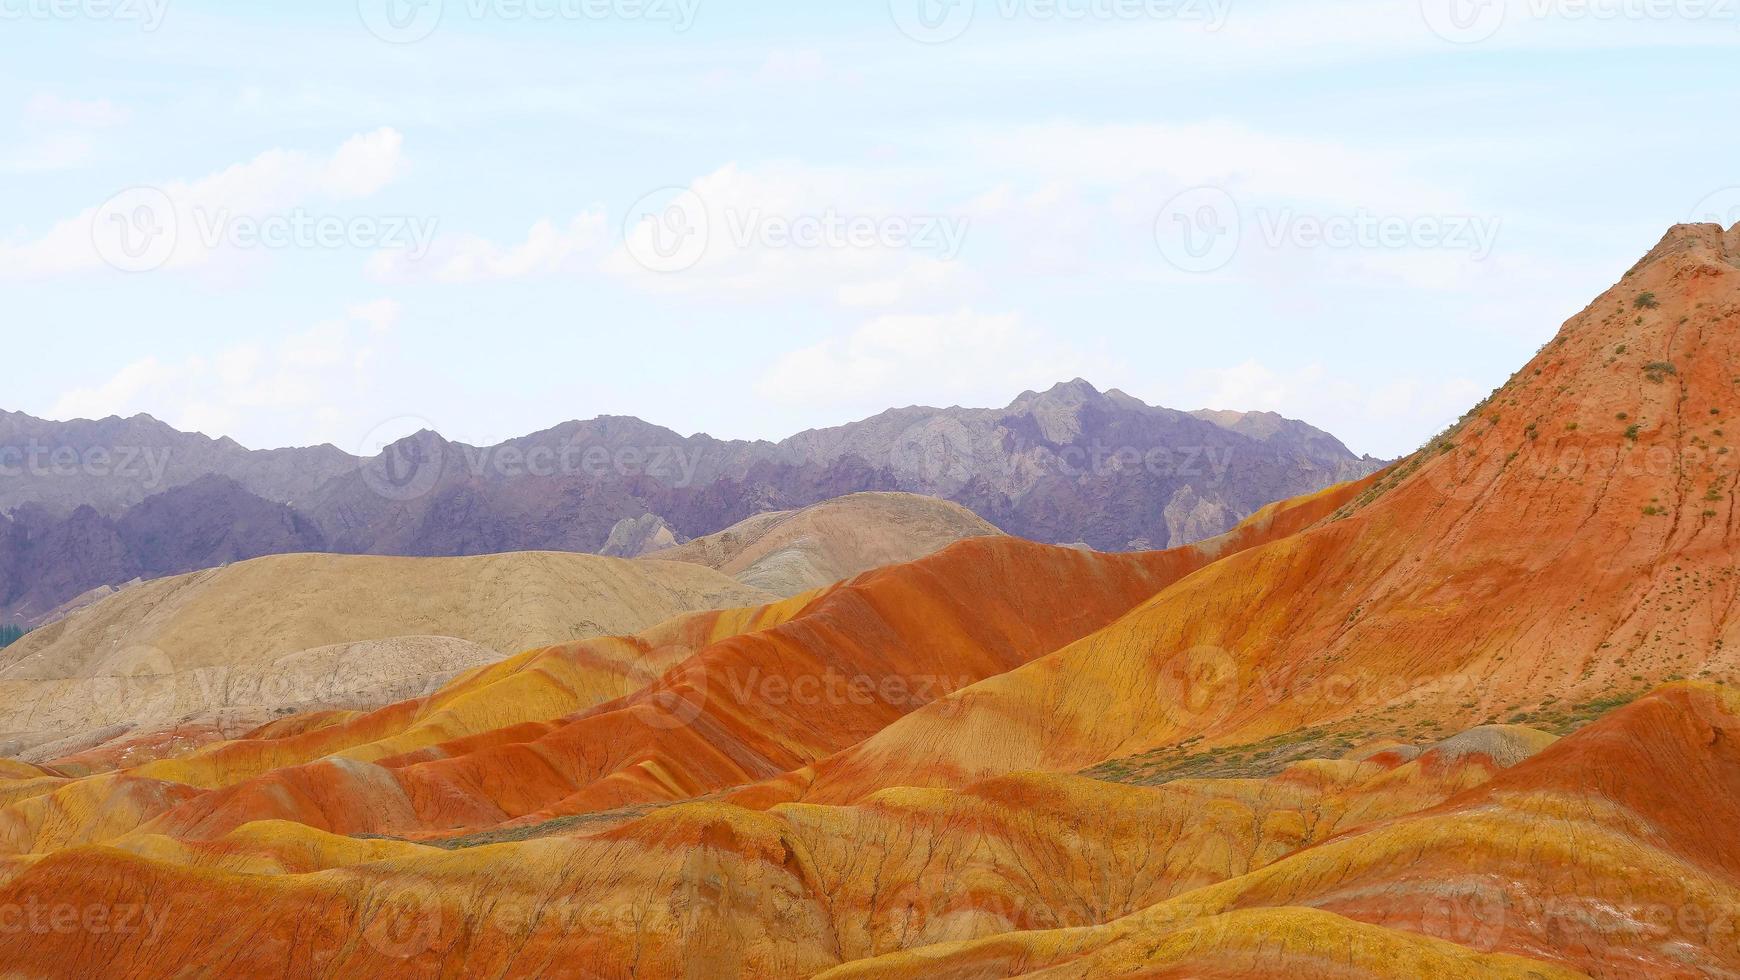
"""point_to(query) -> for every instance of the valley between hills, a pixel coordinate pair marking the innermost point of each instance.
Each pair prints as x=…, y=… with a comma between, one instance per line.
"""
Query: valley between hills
x=1475, y=713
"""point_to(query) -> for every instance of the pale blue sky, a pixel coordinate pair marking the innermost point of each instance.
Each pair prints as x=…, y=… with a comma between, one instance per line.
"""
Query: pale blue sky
x=1007, y=192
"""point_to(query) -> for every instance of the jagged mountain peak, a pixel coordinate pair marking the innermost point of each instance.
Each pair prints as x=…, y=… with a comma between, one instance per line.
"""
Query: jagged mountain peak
x=1073, y=393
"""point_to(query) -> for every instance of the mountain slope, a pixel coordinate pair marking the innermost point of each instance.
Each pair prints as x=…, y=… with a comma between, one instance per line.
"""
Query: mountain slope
x=114, y=463
x=1071, y=465
x=788, y=552
x=46, y=560
x=237, y=636
x=1323, y=744
x=1606, y=855
x=699, y=703
x=1570, y=540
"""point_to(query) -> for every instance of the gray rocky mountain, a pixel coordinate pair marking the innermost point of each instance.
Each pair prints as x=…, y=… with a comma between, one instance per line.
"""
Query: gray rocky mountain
x=84, y=505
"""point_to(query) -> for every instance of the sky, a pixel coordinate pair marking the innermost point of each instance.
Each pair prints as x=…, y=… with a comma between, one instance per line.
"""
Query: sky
x=297, y=223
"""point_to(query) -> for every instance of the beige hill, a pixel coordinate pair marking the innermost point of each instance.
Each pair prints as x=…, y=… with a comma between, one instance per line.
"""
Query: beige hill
x=229, y=702
x=304, y=630
x=788, y=552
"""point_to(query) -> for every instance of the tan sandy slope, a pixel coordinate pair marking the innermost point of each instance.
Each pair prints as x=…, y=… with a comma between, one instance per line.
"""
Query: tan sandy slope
x=250, y=635
x=788, y=552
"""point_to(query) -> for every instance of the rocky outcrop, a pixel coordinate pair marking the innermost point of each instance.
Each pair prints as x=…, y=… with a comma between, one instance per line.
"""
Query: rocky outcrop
x=633, y=537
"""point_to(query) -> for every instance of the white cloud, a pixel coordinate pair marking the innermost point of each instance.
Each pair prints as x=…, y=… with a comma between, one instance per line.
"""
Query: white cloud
x=1385, y=419
x=916, y=281
x=547, y=250
x=172, y=225
x=857, y=236
x=1154, y=158
x=299, y=390
x=793, y=67
x=1091, y=201
x=50, y=152
x=60, y=134
x=381, y=315
x=364, y=164
x=977, y=358
x=1263, y=37
x=46, y=108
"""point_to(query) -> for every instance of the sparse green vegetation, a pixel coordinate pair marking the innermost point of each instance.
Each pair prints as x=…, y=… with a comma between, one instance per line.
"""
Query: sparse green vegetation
x=1554, y=717
x=548, y=828
x=1658, y=371
x=1646, y=301
x=1255, y=761
x=1632, y=432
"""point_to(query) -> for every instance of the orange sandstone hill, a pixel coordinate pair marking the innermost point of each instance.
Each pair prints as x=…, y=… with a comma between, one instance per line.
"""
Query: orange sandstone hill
x=1466, y=718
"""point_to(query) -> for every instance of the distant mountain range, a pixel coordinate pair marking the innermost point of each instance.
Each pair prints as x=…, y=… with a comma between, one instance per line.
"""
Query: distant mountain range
x=86, y=505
